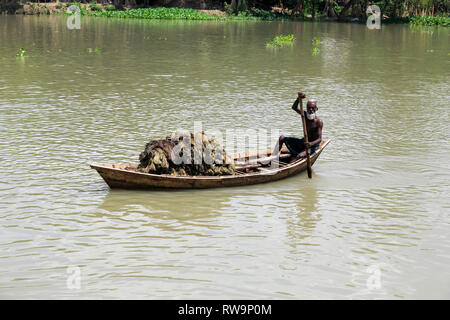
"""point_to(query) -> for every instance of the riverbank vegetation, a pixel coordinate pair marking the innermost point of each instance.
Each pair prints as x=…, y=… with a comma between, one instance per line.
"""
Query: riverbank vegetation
x=156, y=13
x=417, y=12
x=430, y=21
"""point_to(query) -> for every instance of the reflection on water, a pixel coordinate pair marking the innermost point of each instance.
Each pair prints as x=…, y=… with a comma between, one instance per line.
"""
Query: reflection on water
x=378, y=199
x=160, y=205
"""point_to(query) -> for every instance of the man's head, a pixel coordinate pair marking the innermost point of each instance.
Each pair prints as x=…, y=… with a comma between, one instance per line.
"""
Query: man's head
x=311, y=108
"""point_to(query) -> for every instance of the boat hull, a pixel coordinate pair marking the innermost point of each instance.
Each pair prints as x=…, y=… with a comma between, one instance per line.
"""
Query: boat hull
x=117, y=177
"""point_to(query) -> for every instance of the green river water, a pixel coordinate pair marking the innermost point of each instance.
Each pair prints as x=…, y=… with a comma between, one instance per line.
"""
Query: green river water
x=373, y=222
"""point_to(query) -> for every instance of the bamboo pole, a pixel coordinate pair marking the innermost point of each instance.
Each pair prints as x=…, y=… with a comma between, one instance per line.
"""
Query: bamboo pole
x=301, y=95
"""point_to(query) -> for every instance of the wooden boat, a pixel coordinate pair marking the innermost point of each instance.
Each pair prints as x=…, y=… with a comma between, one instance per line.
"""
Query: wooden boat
x=248, y=171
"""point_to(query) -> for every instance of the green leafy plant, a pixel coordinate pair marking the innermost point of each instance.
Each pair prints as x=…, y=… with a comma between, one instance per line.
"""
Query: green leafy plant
x=157, y=13
x=109, y=7
x=95, y=7
x=21, y=52
x=281, y=41
x=315, y=43
x=228, y=9
x=97, y=50
x=263, y=14
x=430, y=21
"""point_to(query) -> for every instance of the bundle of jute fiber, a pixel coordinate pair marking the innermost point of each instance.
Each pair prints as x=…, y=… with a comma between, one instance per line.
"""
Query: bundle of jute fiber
x=185, y=154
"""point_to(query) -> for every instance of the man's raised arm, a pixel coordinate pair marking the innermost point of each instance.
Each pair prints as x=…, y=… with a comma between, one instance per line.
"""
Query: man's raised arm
x=301, y=96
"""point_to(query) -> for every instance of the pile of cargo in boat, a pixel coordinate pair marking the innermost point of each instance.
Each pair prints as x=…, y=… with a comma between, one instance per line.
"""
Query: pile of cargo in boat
x=186, y=154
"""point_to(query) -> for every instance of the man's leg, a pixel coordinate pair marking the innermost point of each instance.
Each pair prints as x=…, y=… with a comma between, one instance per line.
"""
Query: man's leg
x=302, y=154
x=278, y=145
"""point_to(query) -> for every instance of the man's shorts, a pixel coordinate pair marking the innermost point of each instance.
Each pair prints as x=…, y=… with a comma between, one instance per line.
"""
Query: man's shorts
x=296, y=145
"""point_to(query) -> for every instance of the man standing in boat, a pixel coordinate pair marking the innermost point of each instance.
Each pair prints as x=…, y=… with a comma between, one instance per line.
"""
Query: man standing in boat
x=314, y=127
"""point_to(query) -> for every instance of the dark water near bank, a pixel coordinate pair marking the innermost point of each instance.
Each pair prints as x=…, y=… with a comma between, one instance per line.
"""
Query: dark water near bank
x=372, y=223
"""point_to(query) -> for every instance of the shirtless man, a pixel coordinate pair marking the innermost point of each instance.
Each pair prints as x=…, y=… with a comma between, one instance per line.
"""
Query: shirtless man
x=314, y=127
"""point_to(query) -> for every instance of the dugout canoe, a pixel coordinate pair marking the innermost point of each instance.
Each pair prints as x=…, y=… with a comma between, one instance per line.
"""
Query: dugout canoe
x=124, y=176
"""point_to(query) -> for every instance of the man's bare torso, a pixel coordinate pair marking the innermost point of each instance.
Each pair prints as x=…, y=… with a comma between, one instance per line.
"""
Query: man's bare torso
x=313, y=126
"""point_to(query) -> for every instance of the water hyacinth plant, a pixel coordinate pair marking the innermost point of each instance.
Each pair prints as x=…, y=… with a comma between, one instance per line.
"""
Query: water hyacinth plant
x=21, y=52
x=156, y=13
x=430, y=21
x=281, y=41
x=97, y=50
x=315, y=43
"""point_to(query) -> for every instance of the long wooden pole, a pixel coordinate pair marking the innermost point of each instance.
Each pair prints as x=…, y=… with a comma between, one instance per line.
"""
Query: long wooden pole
x=305, y=134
